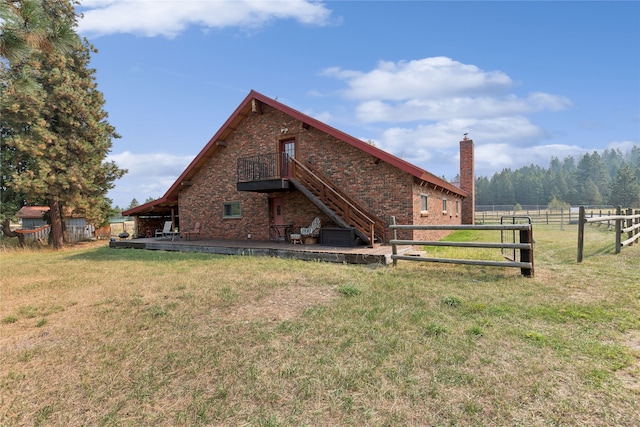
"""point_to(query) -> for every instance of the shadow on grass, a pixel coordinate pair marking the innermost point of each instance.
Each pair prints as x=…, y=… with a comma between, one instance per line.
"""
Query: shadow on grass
x=609, y=249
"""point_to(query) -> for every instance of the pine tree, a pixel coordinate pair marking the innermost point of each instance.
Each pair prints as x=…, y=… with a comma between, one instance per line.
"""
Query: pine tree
x=592, y=167
x=590, y=193
x=27, y=27
x=625, y=188
x=483, y=191
x=58, y=129
x=634, y=160
x=502, y=187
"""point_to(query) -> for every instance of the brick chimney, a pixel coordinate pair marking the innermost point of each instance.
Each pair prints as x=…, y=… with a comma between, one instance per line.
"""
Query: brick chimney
x=467, y=180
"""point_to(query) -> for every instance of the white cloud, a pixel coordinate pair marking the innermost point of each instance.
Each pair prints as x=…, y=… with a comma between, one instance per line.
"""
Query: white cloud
x=435, y=89
x=420, y=144
x=151, y=164
x=422, y=78
x=459, y=107
x=624, y=146
x=150, y=175
x=170, y=17
x=439, y=99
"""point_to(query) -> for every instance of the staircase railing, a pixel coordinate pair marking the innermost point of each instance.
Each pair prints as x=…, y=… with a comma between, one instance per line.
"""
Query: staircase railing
x=349, y=210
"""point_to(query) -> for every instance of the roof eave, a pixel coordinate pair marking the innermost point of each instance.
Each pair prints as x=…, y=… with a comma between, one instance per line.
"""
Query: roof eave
x=150, y=207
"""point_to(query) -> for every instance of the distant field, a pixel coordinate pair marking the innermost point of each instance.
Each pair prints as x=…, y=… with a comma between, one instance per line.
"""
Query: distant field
x=99, y=336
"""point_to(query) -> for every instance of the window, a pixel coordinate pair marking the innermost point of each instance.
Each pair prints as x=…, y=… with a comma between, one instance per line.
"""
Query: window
x=231, y=210
x=444, y=206
x=424, y=204
x=457, y=207
x=288, y=147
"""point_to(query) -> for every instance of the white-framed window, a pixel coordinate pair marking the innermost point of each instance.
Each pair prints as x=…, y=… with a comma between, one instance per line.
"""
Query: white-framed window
x=457, y=207
x=231, y=210
x=444, y=206
x=424, y=203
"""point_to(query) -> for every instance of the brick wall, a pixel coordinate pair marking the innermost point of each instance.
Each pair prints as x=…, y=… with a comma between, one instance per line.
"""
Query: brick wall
x=467, y=180
x=434, y=214
x=381, y=188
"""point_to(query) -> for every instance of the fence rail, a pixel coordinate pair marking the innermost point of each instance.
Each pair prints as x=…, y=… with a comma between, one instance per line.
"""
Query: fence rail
x=624, y=223
x=39, y=234
x=552, y=217
x=525, y=246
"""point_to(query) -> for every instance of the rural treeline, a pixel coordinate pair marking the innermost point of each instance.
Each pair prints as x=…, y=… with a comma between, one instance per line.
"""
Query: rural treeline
x=609, y=178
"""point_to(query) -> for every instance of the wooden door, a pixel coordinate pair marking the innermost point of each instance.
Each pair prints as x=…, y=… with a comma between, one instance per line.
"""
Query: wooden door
x=287, y=150
x=276, y=212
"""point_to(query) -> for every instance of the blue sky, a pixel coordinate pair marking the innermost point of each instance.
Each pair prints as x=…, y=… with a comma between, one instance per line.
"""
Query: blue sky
x=526, y=80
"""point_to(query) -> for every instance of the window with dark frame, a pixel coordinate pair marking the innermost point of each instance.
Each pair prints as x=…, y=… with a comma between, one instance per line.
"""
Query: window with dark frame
x=231, y=210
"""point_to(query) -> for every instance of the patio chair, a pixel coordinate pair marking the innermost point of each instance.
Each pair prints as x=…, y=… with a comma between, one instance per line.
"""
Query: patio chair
x=166, y=231
x=195, y=233
x=313, y=230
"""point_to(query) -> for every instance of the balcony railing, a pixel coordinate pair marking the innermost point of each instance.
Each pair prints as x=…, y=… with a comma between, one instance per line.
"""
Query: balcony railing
x=264, y=167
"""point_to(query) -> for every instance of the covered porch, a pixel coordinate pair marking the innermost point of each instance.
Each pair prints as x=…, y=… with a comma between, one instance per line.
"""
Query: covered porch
x=380, y=255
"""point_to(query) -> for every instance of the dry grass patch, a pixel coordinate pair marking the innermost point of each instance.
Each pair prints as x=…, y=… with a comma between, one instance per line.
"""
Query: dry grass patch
x=135, y=337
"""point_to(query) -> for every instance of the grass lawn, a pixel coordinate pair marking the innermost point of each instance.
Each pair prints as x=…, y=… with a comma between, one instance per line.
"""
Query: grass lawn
x=119, y=337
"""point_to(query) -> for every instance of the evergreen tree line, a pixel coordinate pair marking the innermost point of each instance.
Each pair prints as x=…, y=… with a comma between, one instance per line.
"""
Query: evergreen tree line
x=610, y=178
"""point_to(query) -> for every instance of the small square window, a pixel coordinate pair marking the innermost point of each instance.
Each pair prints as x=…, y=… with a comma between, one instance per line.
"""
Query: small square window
x=231, y=210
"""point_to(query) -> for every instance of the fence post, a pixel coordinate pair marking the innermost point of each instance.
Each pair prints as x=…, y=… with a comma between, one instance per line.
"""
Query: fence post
x=581, y=221
x=618, y=229
x=394, y=248
x=637, y=231
x=526, y=255
x=629, y=224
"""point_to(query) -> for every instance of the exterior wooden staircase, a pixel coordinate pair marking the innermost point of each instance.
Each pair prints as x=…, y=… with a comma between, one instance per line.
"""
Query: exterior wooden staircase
x=336, y=204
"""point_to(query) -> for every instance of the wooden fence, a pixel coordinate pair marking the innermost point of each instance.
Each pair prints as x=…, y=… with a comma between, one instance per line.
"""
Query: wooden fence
x=524, y=246
x=628, y=223
x=551, y=217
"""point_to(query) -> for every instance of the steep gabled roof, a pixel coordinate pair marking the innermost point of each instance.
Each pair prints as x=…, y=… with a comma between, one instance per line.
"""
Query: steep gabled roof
x=170, y=198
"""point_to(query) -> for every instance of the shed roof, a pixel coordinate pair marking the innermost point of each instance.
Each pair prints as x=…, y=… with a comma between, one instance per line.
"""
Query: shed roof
x=32, y=212
x=170, y=198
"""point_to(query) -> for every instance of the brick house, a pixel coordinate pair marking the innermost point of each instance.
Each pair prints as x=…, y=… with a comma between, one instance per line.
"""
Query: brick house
x=270, y=170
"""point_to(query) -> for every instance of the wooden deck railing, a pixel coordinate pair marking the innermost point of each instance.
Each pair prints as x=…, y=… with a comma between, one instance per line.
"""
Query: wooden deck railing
x=366, y=224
